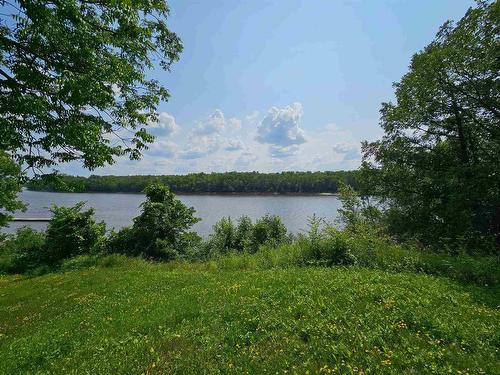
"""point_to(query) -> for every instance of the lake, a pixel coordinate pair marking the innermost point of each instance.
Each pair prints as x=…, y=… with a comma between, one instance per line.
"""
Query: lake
x=117, y=209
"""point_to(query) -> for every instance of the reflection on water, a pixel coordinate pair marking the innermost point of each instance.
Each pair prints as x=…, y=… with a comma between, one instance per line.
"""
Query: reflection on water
x=117, y=210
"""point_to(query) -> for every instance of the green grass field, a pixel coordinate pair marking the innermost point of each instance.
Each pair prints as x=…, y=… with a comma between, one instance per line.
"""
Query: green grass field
x=141, y=318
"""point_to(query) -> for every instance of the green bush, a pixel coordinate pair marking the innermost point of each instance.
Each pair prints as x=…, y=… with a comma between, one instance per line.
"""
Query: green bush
x=245, y=236
x=358, y=213
x=223, y=238
x=120, y=242
x=269, y=229
x=22, y=251
x=331, y=247
x=72, y=232
x=325, y=245
x=161, y=231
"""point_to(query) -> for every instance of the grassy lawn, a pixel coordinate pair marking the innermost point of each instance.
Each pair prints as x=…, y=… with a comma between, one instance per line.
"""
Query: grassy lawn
x=143, y=318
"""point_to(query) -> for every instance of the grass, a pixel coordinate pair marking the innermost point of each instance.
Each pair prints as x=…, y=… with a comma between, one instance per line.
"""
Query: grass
x=127, y=316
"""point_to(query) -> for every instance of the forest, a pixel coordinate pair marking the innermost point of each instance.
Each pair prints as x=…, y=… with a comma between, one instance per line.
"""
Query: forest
x=227, y=183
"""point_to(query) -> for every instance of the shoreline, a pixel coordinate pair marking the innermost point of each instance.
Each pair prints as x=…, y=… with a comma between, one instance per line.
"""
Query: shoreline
x=235, y=194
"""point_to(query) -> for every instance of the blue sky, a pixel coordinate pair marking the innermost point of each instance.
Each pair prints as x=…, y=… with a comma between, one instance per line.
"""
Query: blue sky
x=283, y=84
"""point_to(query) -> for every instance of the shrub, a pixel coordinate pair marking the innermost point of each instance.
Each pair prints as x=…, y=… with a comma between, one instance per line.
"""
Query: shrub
x=245, y=236
x=22, y=251
x=269, y=229
x=358, y=214
x=161, y=231
x=72, y=232
x=326, y=245
x=223, y=239
x=121, y=242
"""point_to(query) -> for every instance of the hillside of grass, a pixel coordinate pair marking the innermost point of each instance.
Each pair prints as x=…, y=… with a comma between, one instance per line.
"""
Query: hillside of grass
x=134, y=317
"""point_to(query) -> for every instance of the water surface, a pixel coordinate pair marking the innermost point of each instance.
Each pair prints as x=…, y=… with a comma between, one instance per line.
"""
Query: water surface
x=118, y=209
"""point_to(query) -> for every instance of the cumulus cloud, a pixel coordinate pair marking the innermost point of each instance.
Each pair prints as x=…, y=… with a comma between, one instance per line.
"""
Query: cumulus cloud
x=267, y=142
x=214, y=124
x=349, y=151
x=200, y=147
x=163, y=149
x=234, y=123
x=252, y=118
x=245, y=161
x=234, y=145
x=281, y=128
x=284, y=152
x=165, y=125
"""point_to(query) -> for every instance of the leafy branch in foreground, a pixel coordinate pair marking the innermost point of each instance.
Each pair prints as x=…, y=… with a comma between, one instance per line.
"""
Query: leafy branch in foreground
x=10, y=185
x=73, y=82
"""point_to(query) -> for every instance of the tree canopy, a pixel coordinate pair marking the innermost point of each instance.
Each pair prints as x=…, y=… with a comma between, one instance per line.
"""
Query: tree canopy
x=229, y=182
x=9, y=187
x=73, y=78
x=438, y=164
x=73, y=83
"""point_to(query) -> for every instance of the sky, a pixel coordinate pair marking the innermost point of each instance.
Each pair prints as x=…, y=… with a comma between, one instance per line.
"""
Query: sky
x=281, y=85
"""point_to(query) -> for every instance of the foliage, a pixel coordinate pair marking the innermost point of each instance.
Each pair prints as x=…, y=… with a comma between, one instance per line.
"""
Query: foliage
x=325, y=245
x=342, y=248
x=245, y=236
x=436, y=168
x=243, y=241
x=72, y=232
x=121, y=242
x=144, y=318
x=228, y=182
x=73, y=78
x=223, y=237
x=10, y=185
x=22, y=251
x=358, y=213
x=161, y=231
x=268, y=229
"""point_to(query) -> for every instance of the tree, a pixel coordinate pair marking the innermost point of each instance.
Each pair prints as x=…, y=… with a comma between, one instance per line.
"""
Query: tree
x=10, y=185
x=161, y=231
x=72, y=232
x=73, y=78
x=437, y=166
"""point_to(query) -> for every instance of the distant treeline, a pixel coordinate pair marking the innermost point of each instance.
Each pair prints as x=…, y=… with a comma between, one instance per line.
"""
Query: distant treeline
x=229, y=182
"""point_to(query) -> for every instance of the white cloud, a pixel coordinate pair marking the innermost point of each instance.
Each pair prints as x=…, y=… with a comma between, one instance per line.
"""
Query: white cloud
x=349, y=150
x=234, y=123
x=284, y=152
x=200, y=147
x=252, y=118
x=116, y=90
x=214, y=124
x=234, y=145
x=246, y=161
x=163, y=149
x=165, y=125
x=274, y=144
x=281, y=128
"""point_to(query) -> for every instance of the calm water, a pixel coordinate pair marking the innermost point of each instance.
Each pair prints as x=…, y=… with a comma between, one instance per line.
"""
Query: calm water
x=117, y=210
